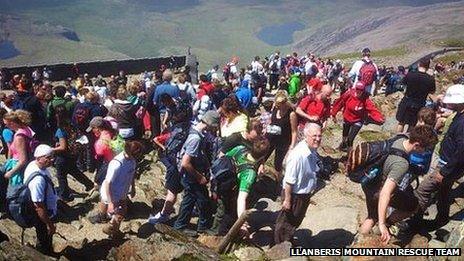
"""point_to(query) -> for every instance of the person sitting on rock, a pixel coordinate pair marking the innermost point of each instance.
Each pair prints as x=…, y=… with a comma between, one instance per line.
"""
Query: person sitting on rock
x=385, y=191
x=357, y=107
x=119, y=182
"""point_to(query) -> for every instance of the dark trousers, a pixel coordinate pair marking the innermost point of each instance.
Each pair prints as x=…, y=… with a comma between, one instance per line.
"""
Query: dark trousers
x=44, y=240
x=288, y=221
x=350, y=130
x=281, y=150
x=65, y=166
x=86, y=158
x=3, y=189
x=226, y=206
x=194, y=194
x=273, y=81
x=102, y=167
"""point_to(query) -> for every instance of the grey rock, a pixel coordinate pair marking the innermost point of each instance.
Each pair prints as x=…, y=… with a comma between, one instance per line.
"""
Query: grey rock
x=249, y=254
x=280, y=251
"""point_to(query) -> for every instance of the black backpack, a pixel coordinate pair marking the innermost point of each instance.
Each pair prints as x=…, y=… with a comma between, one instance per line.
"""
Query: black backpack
x=81, y=117
x=20, y=204
x=179, y=134
x=224, y=175
x=365, y=160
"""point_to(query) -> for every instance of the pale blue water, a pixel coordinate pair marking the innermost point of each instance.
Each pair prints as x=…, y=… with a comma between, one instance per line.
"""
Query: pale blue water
x=8, y=50
x=279, y=34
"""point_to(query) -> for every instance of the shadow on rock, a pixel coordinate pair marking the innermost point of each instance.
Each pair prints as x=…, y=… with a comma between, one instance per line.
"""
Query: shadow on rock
x=67, y=214
x=138, y=210
x=328, y=238
x=95, y=250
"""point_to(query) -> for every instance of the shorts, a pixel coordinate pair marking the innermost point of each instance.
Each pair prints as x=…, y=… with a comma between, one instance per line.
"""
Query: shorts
x=401, y=200
x=407, y=111
x=173, y=177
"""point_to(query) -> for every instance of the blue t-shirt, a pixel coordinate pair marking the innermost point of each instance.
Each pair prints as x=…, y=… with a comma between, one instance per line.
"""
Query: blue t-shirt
x=165, y=87
x=7, y=135
x=60, y=133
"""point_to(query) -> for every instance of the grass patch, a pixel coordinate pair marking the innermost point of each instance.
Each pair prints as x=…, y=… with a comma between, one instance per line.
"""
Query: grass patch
x=448, y=58
x=389, y=52
x=451, y=42
x=369, y=135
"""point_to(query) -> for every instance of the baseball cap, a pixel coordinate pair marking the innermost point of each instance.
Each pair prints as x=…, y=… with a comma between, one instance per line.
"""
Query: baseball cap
x=43, y=150
x=96, y=122
x=454, y=94
x=360, y=86
x=211, y=118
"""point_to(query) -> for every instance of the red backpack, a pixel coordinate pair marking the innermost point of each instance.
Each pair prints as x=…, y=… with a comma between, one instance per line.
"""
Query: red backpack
x=367, y=73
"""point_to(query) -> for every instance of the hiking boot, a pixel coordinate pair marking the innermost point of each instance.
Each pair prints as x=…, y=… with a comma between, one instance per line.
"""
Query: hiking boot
x=111, y=230
x=99, y=218
x=158, y=218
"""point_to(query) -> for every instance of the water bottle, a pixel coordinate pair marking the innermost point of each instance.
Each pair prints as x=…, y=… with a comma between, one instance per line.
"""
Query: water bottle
x=372, y=174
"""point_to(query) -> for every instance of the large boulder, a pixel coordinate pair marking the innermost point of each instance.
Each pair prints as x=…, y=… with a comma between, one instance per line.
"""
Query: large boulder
x=249, y=254
x=456, y=240
x=13, y=250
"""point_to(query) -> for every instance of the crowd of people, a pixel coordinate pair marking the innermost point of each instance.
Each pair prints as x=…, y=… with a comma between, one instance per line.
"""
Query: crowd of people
x=215, y=138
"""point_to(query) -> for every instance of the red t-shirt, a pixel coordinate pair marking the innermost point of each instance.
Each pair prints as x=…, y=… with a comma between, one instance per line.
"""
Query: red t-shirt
x=315, y=83
x=163, y=138
x=312, y=107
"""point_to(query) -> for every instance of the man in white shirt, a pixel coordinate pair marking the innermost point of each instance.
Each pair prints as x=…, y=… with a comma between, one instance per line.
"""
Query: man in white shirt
x=355, y=72
x=299, y=182
x=43, y=196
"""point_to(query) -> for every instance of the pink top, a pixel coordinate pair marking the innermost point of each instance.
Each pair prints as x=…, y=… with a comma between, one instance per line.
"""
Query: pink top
x=28, y=132
x=102, y=146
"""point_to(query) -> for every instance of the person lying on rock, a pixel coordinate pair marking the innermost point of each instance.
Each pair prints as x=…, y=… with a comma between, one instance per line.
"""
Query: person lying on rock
x=117, y=185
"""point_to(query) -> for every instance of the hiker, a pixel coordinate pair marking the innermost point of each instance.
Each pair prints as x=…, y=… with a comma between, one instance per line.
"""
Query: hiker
x=125, y=114
x=382, y=189
x=245, y=138
x=193, y=166
x=21, y=147
x=83, y=113
x=366, y=71
x=117, y=185
x=298, y=183
x=244, y=95
x=58, y=99
x=232, y=199
x=450, y=164
x=315, y=107
x=103, y=133
x=234, y=119
x=283, y=130
x=186, y=90
x=275, y=66
x=418, y=86
x=43, y=196
x=66, y=150
x=394, y=81
x=165, y=87
x=357, y=108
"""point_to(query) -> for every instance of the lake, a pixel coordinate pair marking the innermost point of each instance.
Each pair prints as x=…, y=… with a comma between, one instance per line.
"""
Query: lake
x=279, y=34
x=8, y=50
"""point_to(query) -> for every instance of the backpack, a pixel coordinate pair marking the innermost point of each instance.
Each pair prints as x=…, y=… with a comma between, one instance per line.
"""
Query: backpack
x=223, y=175
x=365, y=160
x=177, y=139
x=74, y=148
x=20, y=204
x=117, y=144
x=81, y=117
x=367, y=73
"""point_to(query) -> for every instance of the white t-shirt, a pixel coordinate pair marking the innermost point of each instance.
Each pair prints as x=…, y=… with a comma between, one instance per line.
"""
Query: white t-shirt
x=120, y=174
x=301, y=169
x=37, y=187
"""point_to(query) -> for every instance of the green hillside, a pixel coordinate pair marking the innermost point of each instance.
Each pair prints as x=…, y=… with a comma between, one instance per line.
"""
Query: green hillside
x=215, y=30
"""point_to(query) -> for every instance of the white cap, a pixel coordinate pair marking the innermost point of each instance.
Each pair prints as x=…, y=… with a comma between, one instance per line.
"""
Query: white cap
x=454, y=94
x=43, y=150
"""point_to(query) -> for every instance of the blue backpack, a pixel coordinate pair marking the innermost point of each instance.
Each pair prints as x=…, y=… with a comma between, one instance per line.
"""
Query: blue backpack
x=20, y=204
